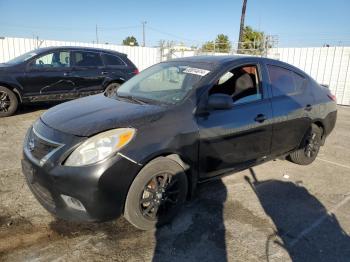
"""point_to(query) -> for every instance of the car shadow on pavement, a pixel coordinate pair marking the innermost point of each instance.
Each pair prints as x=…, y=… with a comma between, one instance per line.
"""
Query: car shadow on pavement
x=198, y=232
x=305, y=229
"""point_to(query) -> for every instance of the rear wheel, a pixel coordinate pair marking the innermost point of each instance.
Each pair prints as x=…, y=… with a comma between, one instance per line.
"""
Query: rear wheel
x=312, y=144
x=111, y=89
x=156, y=195
x=8, y=102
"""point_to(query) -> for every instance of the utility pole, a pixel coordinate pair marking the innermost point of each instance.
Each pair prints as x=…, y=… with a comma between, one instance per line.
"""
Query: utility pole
x=96, y=34
x=143, y=33
x=241, y=28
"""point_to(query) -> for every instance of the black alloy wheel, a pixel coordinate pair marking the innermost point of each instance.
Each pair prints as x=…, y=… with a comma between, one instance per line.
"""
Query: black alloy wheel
x=159, y=195
x=8, y=102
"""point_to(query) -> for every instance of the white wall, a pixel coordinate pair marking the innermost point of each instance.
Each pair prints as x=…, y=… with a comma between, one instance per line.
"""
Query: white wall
x=327, y=65
x=142, y=57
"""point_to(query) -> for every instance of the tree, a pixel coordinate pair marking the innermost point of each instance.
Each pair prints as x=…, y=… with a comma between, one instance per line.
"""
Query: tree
x=208, y=46
x=131, y=41
x=253, y=42
x=221, y=44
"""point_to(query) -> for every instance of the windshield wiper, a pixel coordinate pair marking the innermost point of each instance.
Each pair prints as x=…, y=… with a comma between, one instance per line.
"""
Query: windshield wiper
x=132, y=98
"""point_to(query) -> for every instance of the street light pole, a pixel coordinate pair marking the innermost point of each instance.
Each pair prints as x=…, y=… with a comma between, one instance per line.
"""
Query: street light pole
x=143, y=33
x=96, y=34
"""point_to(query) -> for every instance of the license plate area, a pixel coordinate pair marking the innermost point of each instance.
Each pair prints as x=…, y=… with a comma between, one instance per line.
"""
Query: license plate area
x=28, y=171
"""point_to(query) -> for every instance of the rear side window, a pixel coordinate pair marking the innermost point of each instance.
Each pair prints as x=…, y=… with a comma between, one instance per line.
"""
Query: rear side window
x=284, y=81
x=87, y=59
x=112, y=60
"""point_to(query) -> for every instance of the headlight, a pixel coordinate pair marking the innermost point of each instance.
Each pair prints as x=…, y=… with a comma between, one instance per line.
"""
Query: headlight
x=100, y=146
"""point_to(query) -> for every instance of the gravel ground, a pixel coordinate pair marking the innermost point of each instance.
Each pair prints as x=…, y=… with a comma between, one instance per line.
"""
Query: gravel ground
x=277, y=211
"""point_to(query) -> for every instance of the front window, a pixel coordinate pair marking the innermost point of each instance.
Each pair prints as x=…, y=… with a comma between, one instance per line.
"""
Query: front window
x=167, y=83
x=55, y=59
x=242, y=84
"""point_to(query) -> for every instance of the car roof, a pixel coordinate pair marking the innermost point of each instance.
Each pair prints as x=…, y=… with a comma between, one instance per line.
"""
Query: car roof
x=83, y=48
x=223, y=59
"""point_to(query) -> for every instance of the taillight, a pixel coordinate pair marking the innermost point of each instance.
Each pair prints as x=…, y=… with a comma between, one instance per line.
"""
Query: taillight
x=136, y=71
x=332, y=97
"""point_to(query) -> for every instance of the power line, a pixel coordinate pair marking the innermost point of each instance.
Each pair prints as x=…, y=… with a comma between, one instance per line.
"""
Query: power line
x=170, y=34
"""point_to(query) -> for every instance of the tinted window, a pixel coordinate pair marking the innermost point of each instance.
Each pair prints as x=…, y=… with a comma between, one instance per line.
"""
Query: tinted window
x=284, y=81
x=52, y=60
x=111, y=60
x=299, y=82
x=281, y=80
x=87, y=59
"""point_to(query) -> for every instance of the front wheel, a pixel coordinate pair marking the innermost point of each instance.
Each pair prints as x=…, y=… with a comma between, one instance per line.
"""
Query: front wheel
x=8, y=102
x=308, y=153
x=156, y=194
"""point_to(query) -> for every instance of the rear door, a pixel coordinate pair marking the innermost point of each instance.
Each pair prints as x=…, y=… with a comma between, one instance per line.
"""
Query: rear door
x=240, y=136
x=292, y=103
x=88, y=72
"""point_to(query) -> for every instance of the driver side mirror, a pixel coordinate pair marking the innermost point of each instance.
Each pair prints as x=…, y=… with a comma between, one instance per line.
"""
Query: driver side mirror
x=220, y=101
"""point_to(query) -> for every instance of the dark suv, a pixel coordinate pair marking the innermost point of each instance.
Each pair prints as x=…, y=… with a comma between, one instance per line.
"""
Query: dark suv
x=61, y=73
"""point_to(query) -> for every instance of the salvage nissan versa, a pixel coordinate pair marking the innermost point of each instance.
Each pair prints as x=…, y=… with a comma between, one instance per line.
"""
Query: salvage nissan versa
x=142, y=151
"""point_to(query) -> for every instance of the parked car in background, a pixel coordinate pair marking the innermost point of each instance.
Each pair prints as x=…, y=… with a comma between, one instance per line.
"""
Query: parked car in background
x=61, y=73
x=142, y=151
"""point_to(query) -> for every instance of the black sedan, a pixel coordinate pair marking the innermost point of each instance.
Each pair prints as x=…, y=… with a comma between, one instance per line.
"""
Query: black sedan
x=142, y=152
x=61, y=73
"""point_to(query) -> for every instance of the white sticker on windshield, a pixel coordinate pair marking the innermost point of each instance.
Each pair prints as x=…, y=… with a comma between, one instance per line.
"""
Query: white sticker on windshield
x=196, y=71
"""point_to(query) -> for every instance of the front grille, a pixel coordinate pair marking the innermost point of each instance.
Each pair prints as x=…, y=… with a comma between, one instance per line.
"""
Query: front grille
x=39, y=147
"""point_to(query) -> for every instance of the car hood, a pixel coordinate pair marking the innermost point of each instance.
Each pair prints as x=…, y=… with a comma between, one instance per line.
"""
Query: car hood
x=90, y=115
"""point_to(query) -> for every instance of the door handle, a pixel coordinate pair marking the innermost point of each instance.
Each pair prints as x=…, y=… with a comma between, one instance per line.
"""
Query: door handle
x=66, y=73
x=260, y=118
x=104, y=73
x=308, y=107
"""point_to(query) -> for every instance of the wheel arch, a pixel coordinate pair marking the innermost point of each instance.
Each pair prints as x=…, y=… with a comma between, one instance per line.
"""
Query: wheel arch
x=188, y=166
x=13, y=89
x=320, y=124
x=117, y=80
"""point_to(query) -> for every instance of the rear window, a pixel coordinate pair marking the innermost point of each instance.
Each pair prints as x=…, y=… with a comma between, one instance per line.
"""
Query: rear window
x=112, y=60
x=87, y=59
x=284, y=81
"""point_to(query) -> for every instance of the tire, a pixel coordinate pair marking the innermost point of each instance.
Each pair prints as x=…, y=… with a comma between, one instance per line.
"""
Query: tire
x=141, y=207
x=111, y=89
x=308, y=153
x=8, y=102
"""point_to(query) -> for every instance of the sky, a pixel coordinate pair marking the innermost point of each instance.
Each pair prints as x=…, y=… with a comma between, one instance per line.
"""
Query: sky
x=297, y=23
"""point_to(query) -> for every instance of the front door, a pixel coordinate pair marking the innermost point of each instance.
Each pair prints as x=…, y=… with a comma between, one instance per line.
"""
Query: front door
x=240, y=136
x=48, y=76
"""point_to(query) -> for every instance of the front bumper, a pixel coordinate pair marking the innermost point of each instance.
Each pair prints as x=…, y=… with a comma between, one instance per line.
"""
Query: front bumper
x=101, y=188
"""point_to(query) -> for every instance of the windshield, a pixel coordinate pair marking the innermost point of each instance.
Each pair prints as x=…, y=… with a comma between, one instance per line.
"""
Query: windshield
x=21, y=58
x=166, y=83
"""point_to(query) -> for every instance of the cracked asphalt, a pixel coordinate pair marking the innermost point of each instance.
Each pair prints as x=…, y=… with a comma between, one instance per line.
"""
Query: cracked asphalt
x=277, y=211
